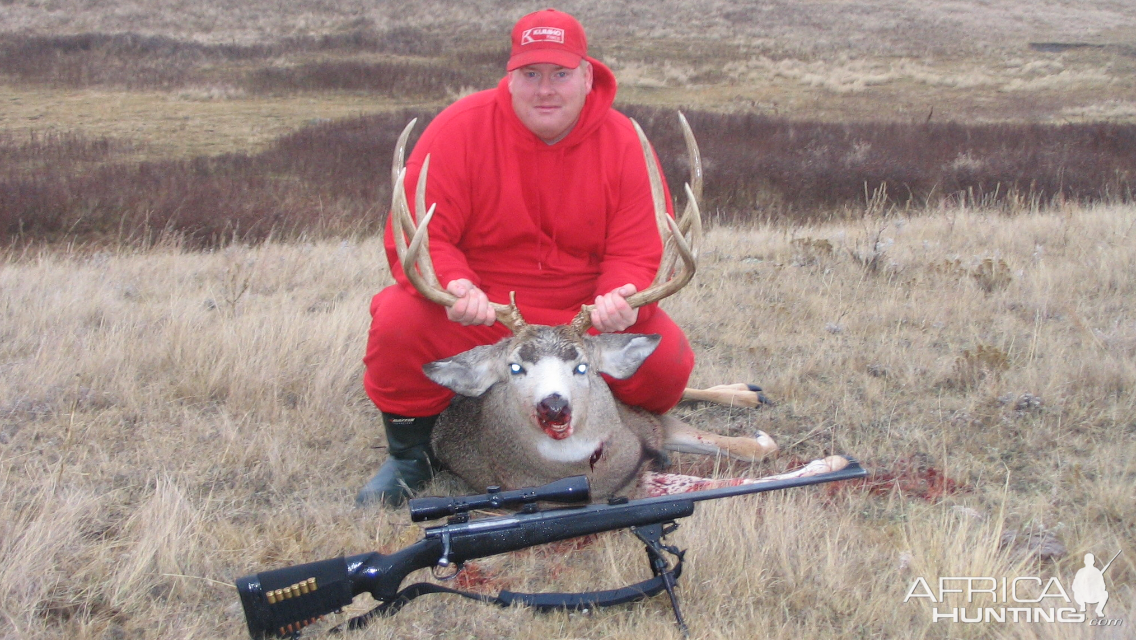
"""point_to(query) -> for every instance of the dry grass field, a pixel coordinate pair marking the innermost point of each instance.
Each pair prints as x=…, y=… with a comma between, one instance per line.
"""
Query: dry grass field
x=173, y=417
x=173, y=420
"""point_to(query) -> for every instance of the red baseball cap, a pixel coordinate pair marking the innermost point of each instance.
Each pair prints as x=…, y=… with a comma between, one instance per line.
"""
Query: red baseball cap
x=548, y=37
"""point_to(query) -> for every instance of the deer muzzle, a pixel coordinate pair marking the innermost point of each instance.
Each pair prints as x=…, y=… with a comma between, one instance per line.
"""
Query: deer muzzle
x=554, y=415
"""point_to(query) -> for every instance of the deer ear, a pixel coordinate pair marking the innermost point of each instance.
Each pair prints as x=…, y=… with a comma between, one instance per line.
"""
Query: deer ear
x=470, y=373
x=621, y=354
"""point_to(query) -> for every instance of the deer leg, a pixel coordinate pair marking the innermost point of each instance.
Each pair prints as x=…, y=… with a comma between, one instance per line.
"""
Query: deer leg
x=731, y=395
x=654, y=484
x=684, y=438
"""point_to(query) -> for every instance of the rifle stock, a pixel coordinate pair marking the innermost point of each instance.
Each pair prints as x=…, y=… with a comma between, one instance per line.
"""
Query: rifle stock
x=282, y=602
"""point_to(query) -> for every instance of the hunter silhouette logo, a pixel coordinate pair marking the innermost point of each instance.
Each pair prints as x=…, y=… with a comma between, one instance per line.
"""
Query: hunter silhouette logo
x=1088, y=584
x=542, y=34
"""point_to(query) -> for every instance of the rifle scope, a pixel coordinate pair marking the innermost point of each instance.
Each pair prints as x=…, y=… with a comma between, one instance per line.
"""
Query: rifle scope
x=567, y=491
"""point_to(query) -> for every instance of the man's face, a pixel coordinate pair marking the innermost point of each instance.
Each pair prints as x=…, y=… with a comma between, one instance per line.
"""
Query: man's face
x=548, y=98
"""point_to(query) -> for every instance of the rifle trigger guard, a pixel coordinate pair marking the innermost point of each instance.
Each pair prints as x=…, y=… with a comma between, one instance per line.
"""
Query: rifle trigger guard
x=444, y=562
x=444, y=577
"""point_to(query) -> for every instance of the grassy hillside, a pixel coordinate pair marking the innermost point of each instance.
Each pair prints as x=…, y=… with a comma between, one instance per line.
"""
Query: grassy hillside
x=326, y=180
x=172, y=62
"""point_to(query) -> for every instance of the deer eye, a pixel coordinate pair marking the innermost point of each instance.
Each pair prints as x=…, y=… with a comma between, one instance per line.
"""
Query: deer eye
x=516, y=369
x=581, y=369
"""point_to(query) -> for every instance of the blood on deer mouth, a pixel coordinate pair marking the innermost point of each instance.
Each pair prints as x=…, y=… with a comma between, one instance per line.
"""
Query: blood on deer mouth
x=554, y=416
x=557, y=430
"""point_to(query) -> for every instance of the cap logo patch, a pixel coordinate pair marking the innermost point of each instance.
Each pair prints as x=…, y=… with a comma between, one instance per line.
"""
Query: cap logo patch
x=542, y=34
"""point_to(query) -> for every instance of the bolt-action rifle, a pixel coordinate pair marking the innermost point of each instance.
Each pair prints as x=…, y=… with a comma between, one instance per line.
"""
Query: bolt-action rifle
x=280, y=603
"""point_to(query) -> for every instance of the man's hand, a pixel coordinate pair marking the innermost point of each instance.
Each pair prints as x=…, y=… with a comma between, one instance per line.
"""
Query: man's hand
x=612, y=313
x=472, y=307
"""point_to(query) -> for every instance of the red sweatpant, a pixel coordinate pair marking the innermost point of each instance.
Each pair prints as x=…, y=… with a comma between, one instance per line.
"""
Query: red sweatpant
x=408, y=331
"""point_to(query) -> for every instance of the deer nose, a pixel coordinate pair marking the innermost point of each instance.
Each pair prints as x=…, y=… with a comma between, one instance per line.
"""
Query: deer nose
x=554, y=409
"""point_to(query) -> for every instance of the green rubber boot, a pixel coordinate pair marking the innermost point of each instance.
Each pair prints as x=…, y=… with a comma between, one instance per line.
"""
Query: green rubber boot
x=410, y=463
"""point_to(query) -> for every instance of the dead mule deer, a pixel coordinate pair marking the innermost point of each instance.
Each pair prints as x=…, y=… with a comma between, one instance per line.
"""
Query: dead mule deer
x=533, y=408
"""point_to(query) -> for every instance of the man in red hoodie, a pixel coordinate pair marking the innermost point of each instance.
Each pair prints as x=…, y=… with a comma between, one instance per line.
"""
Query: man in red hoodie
x=542, y=189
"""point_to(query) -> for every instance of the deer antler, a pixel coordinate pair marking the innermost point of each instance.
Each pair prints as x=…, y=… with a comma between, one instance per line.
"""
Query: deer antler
x=415, y=255
x=681, y=240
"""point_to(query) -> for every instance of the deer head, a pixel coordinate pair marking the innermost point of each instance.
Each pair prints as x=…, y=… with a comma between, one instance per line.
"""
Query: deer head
x=548, y=376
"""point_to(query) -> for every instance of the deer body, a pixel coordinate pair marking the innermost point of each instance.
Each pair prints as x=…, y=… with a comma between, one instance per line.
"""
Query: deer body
x=476, y=447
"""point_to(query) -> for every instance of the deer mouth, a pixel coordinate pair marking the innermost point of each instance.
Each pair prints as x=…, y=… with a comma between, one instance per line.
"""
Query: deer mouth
x=556, y=430
x=555, y=419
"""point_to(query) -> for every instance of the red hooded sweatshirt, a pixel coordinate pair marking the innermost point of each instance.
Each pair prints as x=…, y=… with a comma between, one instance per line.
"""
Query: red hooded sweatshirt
x=559, y=224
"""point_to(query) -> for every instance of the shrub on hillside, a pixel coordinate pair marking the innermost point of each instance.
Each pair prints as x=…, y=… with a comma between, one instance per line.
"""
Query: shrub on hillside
x=391, y=79
x=134, y=61
x=334, y=178
x=772, y=167
x=328, y=179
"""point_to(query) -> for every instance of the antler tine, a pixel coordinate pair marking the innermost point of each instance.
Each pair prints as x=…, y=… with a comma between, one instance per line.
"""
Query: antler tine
x=400, y=150
x=425, y=263
x=402, y=225
x=422, y=277
x=691, y=223
x=657, y=193
x=508, y=314
x=681, y=240
x=689, y=232
x=400, y=215
x=658, y=291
